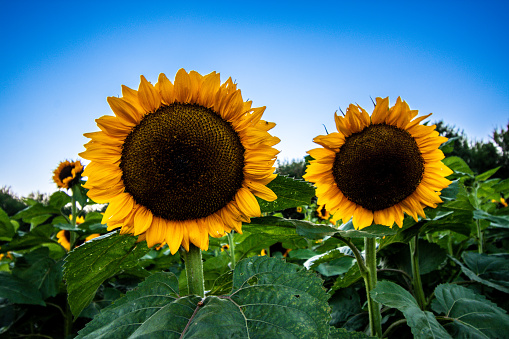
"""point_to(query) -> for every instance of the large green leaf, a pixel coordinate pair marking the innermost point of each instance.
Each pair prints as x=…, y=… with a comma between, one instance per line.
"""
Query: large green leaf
x=19, y=291
x=87, y=266
x=422, y=323
x=269, y=299
x=290, y=193
x=472, y=315
x=41, y=271
x=489, y=270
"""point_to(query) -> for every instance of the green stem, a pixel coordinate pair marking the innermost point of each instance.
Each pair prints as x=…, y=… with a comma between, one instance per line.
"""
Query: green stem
x=231, y=243
x=375, y=318
x=74, y=216
x=416, y=281
x=480, y=237
x=194, y=270
x=67, y=321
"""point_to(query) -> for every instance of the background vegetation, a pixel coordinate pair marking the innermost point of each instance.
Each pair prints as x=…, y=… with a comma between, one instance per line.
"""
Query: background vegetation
x=100, y=286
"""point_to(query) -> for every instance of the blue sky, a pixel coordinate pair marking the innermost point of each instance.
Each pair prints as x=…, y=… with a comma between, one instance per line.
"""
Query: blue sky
x=303, y=60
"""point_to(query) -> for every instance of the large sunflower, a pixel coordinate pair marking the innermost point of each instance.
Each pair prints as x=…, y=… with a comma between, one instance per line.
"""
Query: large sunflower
x=67, y=174
x=378, y=168
x=181, y=161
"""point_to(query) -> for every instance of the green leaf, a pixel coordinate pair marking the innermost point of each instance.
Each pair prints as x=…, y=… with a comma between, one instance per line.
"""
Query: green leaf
x=19, y=291
x=316, y=260
x=458, y=165
x=374, y=231
x=59, y=199
x=275, y=227
x=486, y=175
x=448, y=146
x=38, y=236
x=501, y=186
x=269, y=299
x=501, y=221
x=89, y=265
x=473, y=315
x=343, y=333
x=422, y=323
x=351, y=277
x=345, y=303
x=7, y=230
x=290, y=193
x=35, y=210
x=489, y=270
x=42, y=271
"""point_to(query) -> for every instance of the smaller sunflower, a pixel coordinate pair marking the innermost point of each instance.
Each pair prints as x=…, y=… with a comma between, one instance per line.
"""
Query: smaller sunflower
x=378, y=167
x=225, y=247
x=63, y=237
x=79, y=220
x=67, y=174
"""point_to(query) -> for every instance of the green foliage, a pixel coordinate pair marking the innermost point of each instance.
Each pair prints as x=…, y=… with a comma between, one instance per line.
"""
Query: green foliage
x=269, y=299
x=88, y=266
x=472, y=315
x=293, y=169
x=422, y=323
x=290, y=193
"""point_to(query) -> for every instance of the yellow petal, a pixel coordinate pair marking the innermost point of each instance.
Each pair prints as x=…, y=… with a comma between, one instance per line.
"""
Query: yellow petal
x=143, y=221
x=174, y=234
x=148, y=96
x=124, y=111
x=247, y=203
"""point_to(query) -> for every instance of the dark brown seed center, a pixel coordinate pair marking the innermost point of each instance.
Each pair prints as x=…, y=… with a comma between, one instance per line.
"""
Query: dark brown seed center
x=66, y=172
x=182, y=162
x=378, y=167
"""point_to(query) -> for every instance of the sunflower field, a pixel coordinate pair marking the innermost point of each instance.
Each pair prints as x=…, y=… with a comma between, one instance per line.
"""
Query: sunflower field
x=179, y=226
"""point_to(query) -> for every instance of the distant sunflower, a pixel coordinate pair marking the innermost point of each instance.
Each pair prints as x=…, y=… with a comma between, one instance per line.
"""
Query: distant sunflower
x=67, y=174
x=63, y=238
x=378, y=168
x=79, y=220
x=181, y=161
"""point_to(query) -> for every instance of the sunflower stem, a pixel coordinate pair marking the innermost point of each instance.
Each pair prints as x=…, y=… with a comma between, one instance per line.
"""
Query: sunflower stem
x=72, y=234
x=416, y=281
x=370, y=279
x=194, y=270
x=231, y=243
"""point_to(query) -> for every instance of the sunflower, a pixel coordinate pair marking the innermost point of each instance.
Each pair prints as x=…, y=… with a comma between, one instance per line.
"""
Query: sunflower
x=79, y=220
x=63, y=237
x=181, y=161
x=378, y=168
x=67, y=174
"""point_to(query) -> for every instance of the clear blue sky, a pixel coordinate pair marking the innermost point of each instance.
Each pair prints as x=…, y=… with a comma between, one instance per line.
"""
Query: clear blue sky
x=303, y=60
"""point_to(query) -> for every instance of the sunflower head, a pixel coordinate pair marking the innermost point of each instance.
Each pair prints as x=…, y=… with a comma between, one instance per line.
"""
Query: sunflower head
x=67, y=174
x=63, y=238
x=378, y=167
x=181, y=161
x=79, y=220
